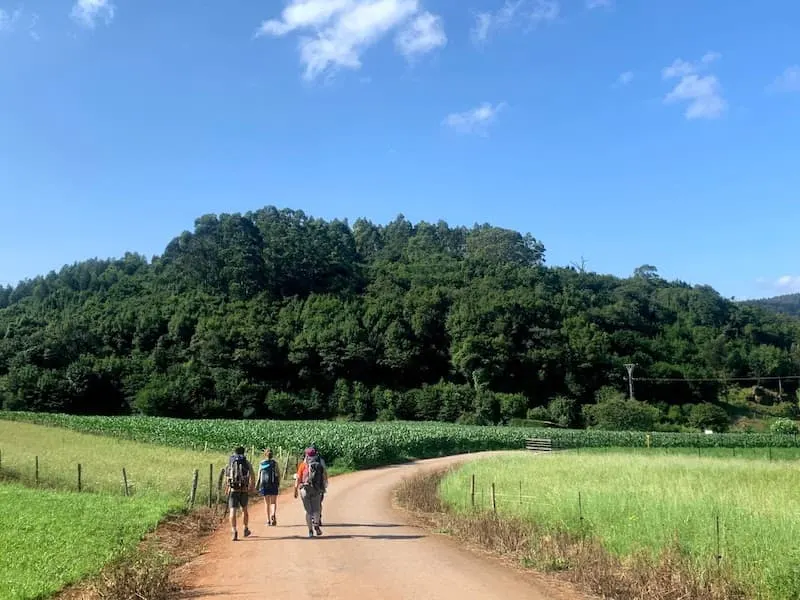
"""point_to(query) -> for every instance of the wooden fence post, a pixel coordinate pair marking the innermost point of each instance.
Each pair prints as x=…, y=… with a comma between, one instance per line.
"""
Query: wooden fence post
x=210, y=485
x=219, y=484
x=472, y=491
x=193, y=495
x=494, y=501
x=37, y=471
x=125, y=482
x=79, y=477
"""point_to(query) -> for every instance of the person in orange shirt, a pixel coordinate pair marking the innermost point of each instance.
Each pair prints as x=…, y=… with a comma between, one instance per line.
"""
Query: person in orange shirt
x=310, y=484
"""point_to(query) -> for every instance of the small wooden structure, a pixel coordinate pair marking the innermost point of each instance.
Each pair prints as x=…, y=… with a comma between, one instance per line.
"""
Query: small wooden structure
x=539, y=444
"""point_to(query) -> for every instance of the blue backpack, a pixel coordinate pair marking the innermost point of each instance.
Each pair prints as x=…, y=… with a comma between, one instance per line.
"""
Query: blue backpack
x=268, y=473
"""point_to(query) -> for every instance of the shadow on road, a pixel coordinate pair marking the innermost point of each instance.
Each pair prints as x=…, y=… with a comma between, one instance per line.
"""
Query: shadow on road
x=333, y=537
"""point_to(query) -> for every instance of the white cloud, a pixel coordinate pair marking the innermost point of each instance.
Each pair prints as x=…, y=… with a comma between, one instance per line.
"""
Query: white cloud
x=475, y=120
x=703, y=94
x=788, y=81
x=530, y=12
x=88, y=12
x=423, y=34
x=787, y=284
x=625, y=78
x=340, y=31
x=592, y=4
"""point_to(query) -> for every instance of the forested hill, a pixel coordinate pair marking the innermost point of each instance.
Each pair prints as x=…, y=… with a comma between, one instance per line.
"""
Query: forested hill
x=277, y=314
x=788, y=304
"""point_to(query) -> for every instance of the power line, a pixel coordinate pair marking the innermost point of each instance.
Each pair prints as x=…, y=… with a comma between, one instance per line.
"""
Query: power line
x=720, y=379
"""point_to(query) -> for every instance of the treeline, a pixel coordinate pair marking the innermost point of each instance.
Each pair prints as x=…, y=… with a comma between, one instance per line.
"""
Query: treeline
x=787, y=304
x=277, y=314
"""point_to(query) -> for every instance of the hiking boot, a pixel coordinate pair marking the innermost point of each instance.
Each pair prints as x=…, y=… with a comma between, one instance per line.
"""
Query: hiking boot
x=235, y=535
x=311, y=533
x=318, y=530
x=274, y=522
x=247, y=532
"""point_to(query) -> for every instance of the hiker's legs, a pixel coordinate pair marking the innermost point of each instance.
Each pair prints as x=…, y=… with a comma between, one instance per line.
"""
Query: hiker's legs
x=245, y=516
x=266, y=508
x=272, y=510
x=311, y=505
x=233, y=504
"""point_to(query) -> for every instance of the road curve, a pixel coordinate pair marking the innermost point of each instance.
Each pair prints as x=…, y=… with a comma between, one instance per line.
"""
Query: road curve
x=366, y=551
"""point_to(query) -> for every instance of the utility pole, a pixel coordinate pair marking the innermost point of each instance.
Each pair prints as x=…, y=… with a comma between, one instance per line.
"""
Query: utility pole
x=629, y=367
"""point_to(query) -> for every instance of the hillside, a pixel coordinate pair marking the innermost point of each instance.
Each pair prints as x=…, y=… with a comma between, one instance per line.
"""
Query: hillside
x=788, y=304
x=278, y=314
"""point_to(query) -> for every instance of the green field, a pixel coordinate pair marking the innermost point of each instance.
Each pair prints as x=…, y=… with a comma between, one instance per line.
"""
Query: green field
x=362, y=445
x=152, y=470
x=50, y=539
x=634, y=502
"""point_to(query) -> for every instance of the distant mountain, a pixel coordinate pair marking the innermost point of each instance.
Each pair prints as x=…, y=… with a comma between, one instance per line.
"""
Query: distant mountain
x=788, y=304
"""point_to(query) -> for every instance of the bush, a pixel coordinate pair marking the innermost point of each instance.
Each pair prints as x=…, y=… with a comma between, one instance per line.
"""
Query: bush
x=784, y=427
x=622, y=415
x=709, y=416
x=538, y=413
x=563, y=410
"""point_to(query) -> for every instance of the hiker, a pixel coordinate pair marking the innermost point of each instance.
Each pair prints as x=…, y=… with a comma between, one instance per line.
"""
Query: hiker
x=240, y=484
x=269, y=486
x=310, y=482
x=322, y=495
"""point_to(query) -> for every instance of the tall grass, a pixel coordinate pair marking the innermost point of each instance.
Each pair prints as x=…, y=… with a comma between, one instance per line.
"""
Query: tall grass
x=639, y=503
x=151, y=470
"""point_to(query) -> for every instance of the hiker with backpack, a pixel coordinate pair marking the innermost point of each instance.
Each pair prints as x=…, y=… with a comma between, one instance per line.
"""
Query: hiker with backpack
x=239, y=485
x=322, y=495
x=310, y=483
x=269, y=486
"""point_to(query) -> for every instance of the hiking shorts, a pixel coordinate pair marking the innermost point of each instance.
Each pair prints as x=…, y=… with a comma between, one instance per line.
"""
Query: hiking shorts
x=237, y=500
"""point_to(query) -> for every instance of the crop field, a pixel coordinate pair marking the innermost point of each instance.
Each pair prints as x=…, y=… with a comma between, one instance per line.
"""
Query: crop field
x=362, y=445
x=633, y=502
x=51, y=539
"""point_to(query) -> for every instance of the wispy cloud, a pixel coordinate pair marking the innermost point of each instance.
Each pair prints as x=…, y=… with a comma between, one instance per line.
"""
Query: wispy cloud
x=475, y=120
x=625, y=78
x=340, y=31
x=702, y=93
x=593, y=4
x=423, y=34
x=9, y=20
x=786, y=284
x=88, y=12
x=788, y=81
x=513, y=12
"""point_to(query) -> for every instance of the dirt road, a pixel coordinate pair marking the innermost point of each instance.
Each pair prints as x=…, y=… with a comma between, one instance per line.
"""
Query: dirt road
x=366, y=551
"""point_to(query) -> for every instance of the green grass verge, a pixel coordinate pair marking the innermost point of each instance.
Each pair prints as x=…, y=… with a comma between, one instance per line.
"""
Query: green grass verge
x=50, y=539
x=634, y=502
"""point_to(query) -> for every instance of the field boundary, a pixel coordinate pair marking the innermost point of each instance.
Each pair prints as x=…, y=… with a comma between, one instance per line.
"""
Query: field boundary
x=148, y=572
x=579, y=560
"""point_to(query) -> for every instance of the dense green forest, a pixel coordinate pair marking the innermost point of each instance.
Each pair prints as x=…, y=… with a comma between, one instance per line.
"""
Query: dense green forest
x=278, y=314
x=787, y=304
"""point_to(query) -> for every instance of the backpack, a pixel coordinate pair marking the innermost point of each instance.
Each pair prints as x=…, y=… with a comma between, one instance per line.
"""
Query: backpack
x=238, y=473
x=314, y=475
x=268, y=474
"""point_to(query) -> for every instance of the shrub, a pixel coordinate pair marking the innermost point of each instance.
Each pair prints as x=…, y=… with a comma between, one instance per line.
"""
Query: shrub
x=709, y=416
x=784, y=427
x=622, y=415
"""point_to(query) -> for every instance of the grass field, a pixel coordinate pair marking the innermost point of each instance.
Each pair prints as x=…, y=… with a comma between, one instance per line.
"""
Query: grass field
x=766, y=454
x=634, y=502
x=50, y=539
x=151, y=469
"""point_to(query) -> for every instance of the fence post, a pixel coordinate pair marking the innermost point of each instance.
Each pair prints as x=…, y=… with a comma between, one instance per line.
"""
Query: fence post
x=194, y=487
x=219, y=484
x=286, y=468
x=79, y=477
x=125, y=482
x=580, y=510
x=37, y=471
x=770, y=453
x=520, y=492
x=472, y=491
x=494, y=501
x=719, y=551
x=210, y=485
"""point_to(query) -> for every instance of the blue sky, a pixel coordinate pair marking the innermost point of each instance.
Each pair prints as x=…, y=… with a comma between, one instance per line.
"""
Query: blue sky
x=625, y=132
